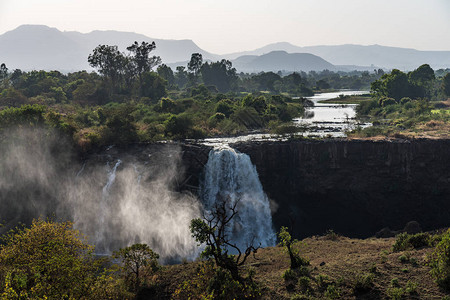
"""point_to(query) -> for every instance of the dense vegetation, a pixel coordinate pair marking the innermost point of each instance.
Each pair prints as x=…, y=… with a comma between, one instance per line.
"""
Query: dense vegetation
x=133, y=97
x=411, y=104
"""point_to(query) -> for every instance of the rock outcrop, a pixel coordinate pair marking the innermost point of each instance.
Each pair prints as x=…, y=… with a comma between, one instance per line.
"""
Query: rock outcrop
x=354, y=187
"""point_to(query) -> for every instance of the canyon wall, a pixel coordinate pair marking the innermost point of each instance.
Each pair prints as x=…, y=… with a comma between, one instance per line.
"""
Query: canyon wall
x=354, y=187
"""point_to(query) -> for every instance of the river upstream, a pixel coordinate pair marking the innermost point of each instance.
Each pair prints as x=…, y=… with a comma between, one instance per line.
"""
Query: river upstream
x=321, y=120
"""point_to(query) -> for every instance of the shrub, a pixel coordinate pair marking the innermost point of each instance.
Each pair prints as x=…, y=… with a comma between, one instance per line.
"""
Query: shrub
x=331, y=235
x=395, y=293
x=332, y=292
x=287, y=241
x=48, y=260
x=289, y=274
x=406, y=241
x=304, y=283
x=216, y=283
x=394, y=282
x=440, y=262
x=411, y=287
x=363, y=283
x=322, y=282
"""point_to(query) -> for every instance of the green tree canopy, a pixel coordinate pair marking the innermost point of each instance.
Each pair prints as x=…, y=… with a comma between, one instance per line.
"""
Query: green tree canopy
x=446, y=84
x=46, y=261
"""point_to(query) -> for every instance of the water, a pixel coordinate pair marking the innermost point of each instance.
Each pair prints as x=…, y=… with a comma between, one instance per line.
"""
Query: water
x=321, y=120
x=326, y=119
x=230, y=176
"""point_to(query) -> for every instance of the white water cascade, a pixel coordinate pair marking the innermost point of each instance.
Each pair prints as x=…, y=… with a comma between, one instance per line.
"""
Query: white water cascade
x=104, y=213
x=230, y=175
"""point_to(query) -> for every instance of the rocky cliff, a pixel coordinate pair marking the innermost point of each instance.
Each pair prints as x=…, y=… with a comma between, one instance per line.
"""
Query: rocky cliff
x=354, y=187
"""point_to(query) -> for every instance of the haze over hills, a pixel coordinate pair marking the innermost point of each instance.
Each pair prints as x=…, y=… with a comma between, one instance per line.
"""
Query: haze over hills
x=281, y=60
x=358, y=55
x=40, y=47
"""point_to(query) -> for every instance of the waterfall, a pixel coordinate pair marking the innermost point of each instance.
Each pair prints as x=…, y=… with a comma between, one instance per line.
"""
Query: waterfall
x=104, y=210
x=230, y=175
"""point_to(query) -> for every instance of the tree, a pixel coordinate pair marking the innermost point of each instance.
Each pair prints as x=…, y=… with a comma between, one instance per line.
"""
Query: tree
x=213, y=231
x=3, y=72
x=181, y=77
x=446, y=84
x=49, y=260
x=421, y=80
x=141, y=59
x=287, y=241
x=166, y=72
x=135, y=260
x=221, y=74
x=194, y=66
x=109, y=62
x=153, y=86
x=195, y=63
x=394, y=85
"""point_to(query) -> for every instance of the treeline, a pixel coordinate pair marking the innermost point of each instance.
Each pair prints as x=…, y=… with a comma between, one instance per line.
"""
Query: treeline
x=133, y=97
x=126, y=101
x=410, y=103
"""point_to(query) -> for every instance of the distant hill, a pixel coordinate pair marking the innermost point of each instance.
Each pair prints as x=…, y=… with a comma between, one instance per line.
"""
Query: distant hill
x=281, y=61
x=357, y=55
x=40, y=47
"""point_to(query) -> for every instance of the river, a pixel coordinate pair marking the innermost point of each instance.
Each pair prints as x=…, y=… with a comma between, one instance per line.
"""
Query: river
x=327, y=119
x=322, y=120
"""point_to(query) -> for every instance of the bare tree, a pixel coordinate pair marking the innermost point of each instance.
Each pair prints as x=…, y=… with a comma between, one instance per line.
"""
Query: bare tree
x=213, y=231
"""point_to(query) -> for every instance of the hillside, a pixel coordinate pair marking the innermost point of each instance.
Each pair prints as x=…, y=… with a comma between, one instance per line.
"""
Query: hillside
x=358, y=55
x=281, y=60
x=40, y=47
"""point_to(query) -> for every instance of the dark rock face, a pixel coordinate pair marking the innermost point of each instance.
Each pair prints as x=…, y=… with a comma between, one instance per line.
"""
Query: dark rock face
x=354, y=187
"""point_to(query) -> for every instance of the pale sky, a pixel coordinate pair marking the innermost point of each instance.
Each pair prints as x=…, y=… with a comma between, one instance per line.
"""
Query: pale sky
x=224, y=26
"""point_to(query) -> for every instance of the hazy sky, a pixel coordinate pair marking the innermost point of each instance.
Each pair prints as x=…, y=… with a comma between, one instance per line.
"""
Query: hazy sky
x=221, y=26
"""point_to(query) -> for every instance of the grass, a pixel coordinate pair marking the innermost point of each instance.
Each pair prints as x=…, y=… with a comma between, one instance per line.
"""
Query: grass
x=337, y=267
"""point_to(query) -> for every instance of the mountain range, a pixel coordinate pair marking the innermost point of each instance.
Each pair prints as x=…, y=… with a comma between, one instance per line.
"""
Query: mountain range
x=41, y=47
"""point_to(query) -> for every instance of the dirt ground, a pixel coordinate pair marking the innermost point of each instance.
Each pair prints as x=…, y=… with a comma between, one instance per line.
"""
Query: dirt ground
x=342, y=260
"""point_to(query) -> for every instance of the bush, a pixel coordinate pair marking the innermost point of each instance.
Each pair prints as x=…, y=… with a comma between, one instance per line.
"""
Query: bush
x=214, y=282
x=286, y=240
x=395, y=293
x=440, y=262
x=363, y=283
x=332, y=292
x=405, y=241
x=304, y=283
x=48, y=260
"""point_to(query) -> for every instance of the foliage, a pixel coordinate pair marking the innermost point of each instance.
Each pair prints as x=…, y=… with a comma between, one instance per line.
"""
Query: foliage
x=446, y=84
x=48, y=260
x=214, y=282
x=213, y=232
x=363, y=283
x=395, y=293
x=405, y=241
x=440, y=261
x=287, y=241
x=332, y=292
x=137, y=261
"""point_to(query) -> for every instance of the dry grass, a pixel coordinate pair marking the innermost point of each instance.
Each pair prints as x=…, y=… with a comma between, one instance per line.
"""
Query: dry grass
x=342, y=260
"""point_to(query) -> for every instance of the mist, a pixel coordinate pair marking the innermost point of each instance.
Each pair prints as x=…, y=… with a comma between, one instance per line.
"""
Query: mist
x=114, y=201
